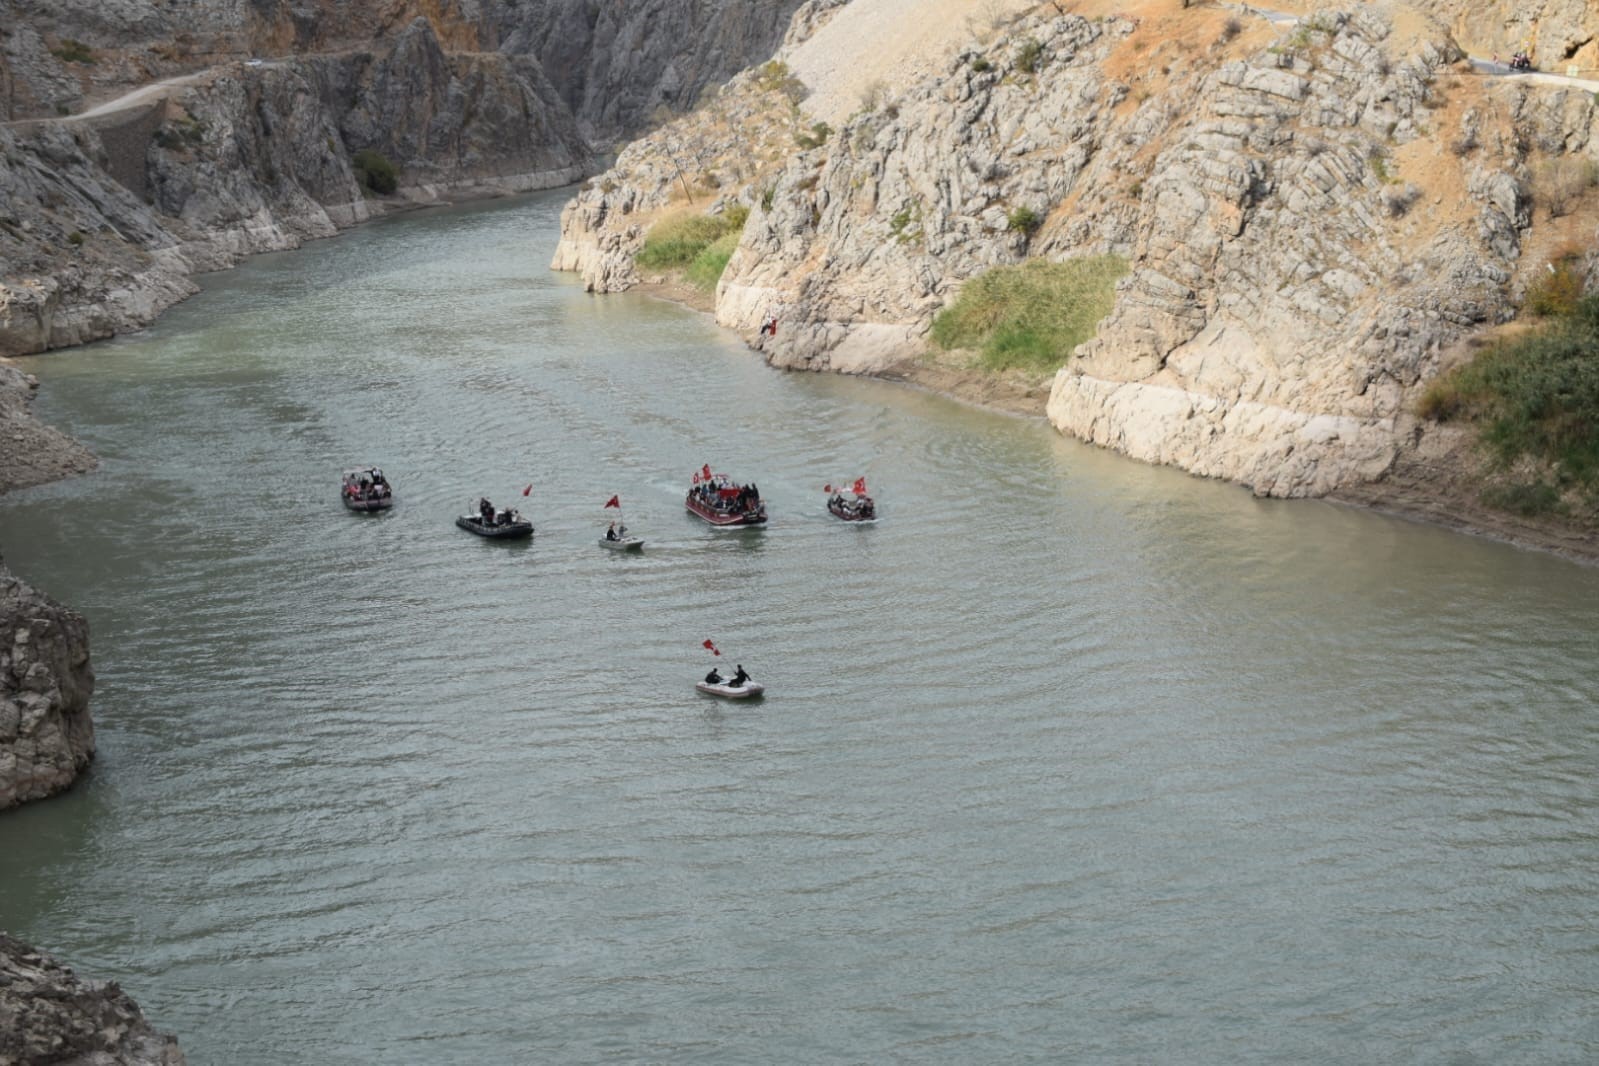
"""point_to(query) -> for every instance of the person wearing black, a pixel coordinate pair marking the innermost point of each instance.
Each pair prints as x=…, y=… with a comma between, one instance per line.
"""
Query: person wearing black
x=713, y=678
x=485, y=510
x=740, y=677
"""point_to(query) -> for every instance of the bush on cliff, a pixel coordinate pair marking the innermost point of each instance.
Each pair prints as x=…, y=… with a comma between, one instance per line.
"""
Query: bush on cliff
x=699, y=245
x=1534, y=398
x=373, y=171
x=1032, y=315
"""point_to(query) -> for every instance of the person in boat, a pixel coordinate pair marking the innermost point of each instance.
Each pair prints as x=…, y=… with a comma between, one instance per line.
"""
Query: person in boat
x=610, y=533
x=713, y=678
x=740, y=677
x=485, y=511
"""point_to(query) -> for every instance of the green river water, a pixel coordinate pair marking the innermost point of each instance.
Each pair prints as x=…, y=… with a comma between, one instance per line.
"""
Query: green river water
x=1066, y=759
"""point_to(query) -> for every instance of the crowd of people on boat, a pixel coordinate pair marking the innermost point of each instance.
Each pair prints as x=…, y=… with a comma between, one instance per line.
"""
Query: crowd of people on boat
x=368, y=485
x=855, y=507
x=726, y=497
x=488, y=515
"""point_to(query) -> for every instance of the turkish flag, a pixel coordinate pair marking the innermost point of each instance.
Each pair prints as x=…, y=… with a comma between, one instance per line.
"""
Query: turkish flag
x=614, y=501
x=712, y=648
x=860, y=486
x=705, y=471
x=527, y=490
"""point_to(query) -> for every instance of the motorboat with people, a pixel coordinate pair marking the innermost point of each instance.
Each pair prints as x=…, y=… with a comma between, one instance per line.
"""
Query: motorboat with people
x=616, y=536
x=366, y=489
x=852, y=504
x=490, y=521
x=739, y=686
x=721, y=501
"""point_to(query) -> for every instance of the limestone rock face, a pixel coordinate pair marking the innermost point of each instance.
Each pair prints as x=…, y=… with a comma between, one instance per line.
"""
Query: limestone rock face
x=46, y=737
x=726, y=151
x=616, y=64
x=48, y=1014
x=1312, y=217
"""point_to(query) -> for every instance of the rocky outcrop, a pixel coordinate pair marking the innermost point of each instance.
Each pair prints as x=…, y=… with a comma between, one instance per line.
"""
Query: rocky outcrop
x=46, y=737
x=729, y=149
x=48, y=1014
x=32, y=453
x=1312, y=215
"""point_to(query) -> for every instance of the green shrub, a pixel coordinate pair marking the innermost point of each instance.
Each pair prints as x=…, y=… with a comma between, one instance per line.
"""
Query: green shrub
x=1528, y=499
x=683, y=242
x=982, y=65
x=768, y=195
x=1379, y=165
x=906, y=225
x=71, y=51
x=1534, y=397
x=1024, y=220
x=706, y=269
x=75, y=238
x=816, y=138
x=1556, y=290
x=774, y=76
x=1031, y=315
x=375, y=172
x=1028, y=55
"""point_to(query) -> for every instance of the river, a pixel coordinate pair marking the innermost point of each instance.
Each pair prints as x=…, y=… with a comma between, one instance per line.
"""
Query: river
x=1067, y=758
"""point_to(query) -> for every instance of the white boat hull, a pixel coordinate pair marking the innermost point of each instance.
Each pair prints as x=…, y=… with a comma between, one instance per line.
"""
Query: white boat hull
x=749, y=688
x=626, y=544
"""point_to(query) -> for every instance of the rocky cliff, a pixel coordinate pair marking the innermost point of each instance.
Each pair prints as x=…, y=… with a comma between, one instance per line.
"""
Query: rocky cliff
x=48, y=1014
x=614, y=64
x=103, y=217
x=46, y=737
x=106, y=217
x=1313, y=215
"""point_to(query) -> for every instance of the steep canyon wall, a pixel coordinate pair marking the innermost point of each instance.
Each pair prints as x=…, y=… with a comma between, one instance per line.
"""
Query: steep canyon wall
x=1314, y=216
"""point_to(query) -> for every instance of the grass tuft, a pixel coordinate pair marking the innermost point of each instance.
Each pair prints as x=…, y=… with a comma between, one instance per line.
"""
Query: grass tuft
x=1032, y=315
x=1534, y=398
x=698, y=245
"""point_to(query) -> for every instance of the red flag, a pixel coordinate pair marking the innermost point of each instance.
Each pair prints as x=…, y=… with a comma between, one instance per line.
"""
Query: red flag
x=614, y=501
x=827, y=488
x=713, y=648
x=860, y=487
x=705, y=471
x=527, y=490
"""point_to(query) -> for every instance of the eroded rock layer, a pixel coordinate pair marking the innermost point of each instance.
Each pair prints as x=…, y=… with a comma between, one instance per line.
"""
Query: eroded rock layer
x=46, y=736
x=48, y=1014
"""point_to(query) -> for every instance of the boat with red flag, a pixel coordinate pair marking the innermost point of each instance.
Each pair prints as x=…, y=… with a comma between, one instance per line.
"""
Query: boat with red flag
x=616, y=537
x=722, y=501
x=852, y=504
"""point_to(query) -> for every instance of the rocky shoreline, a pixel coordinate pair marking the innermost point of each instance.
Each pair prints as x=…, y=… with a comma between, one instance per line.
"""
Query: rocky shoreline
x=48, y=1014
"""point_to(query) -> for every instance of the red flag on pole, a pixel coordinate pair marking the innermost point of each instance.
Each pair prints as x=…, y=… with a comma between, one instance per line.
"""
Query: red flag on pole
x=860, y=487
x=527, y=490
x=614, y=501
x=705, y=472
x=713, y=648
x=827, y=488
